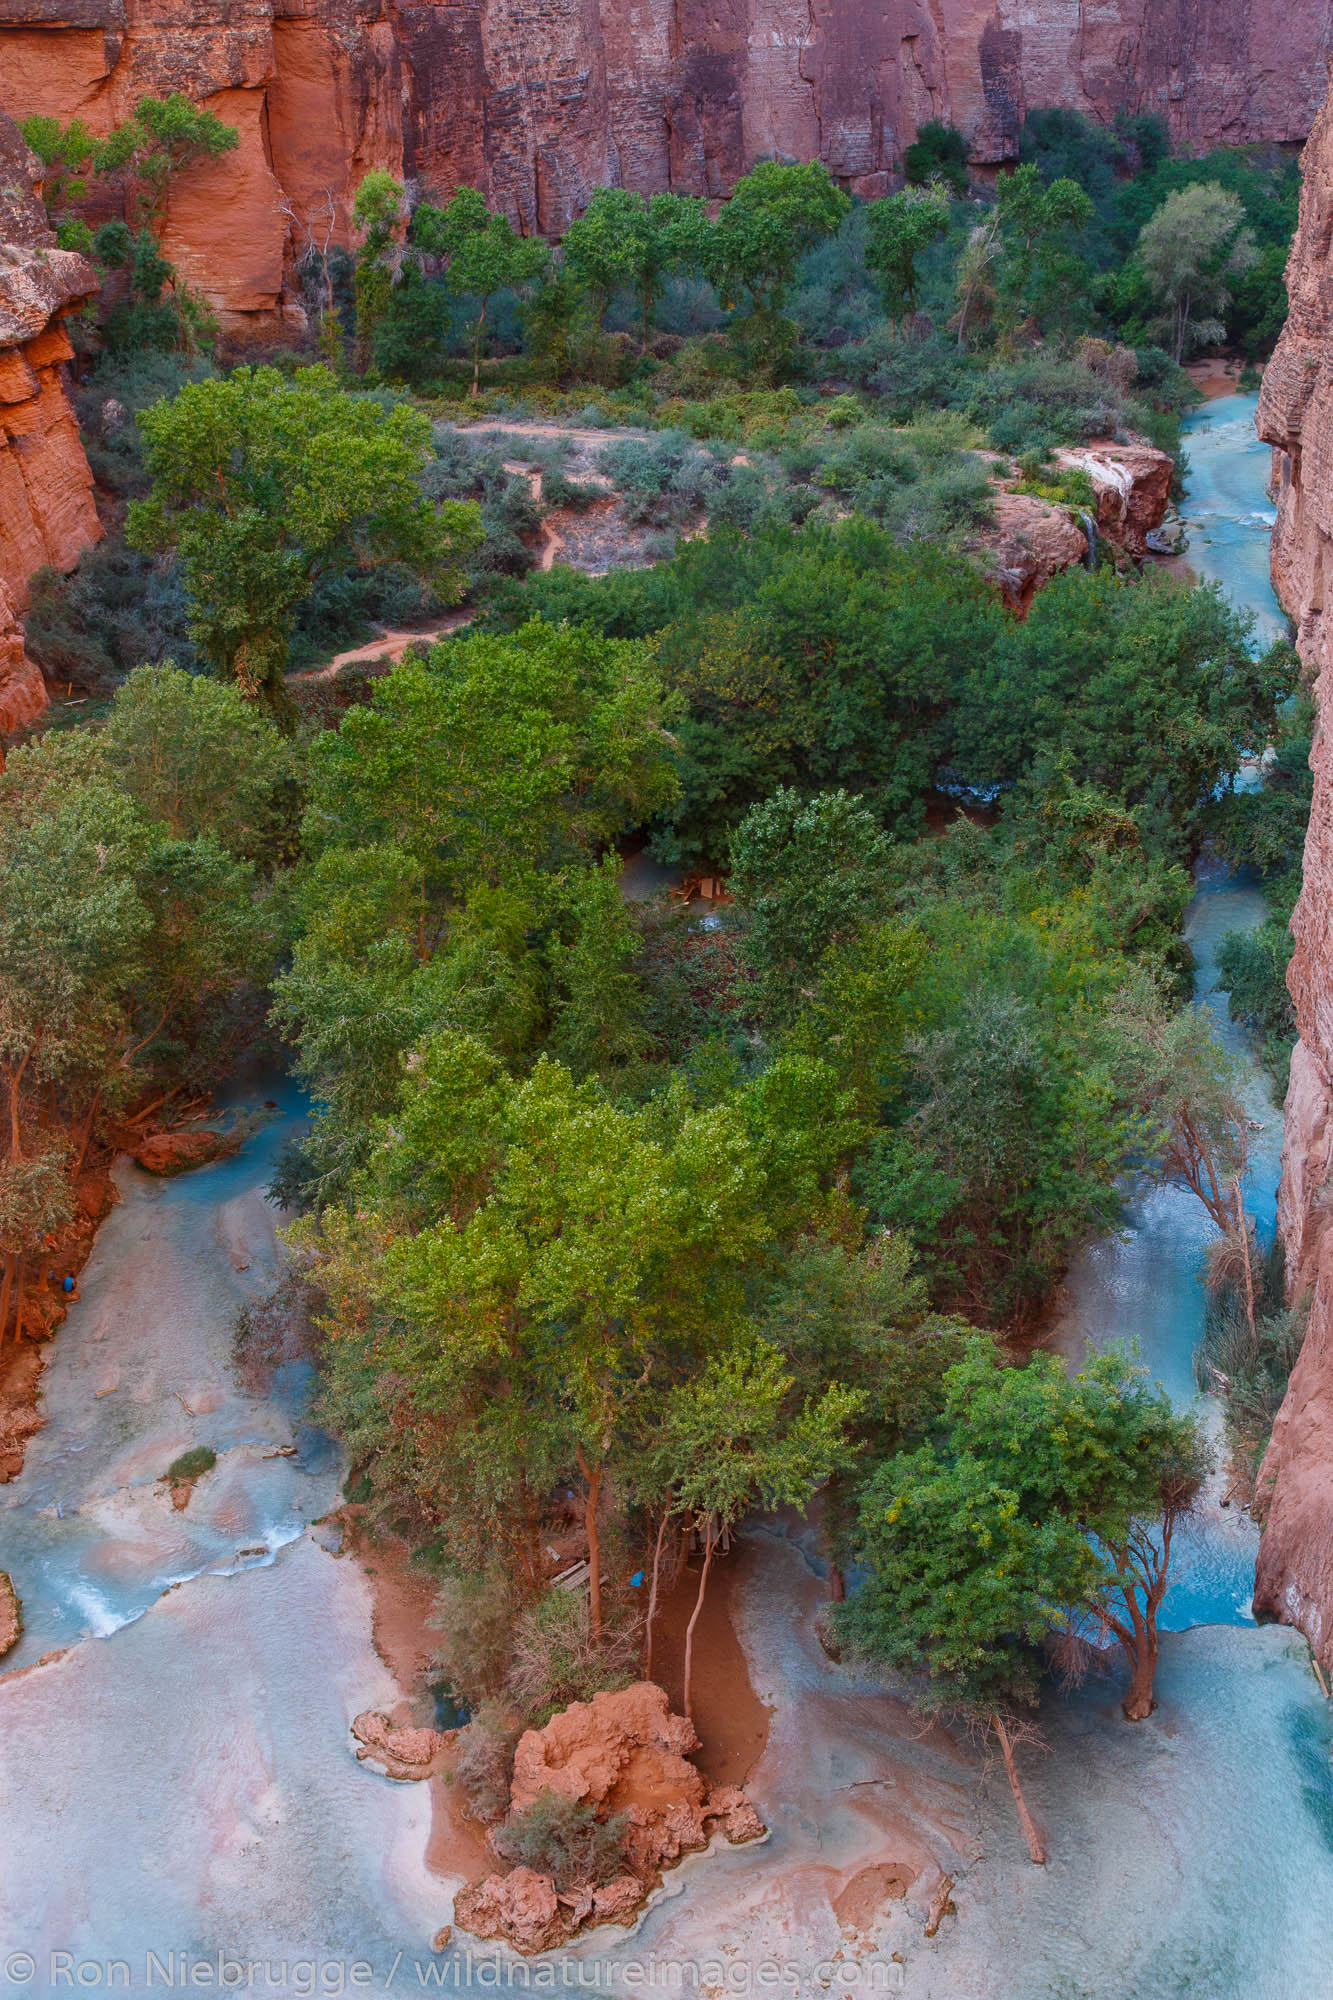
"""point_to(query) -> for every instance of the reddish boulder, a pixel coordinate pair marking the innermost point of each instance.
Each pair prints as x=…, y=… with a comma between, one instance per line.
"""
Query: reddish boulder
x=1027, y=543
x=177, y=1152
x=1132, y=483
x=623, y=1753
x=521, y=1908
x=404, y=1754
x=11, y=1618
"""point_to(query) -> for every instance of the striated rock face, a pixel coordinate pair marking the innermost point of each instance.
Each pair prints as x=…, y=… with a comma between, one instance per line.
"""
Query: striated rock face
x=1295, y=1574
x=1132, y=483
x=47, y=514
x=1027, y=542
x=622, y=1753
x=539, y=102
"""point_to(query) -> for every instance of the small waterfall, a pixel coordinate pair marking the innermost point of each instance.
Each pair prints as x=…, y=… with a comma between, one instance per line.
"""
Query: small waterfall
x=1090, y=530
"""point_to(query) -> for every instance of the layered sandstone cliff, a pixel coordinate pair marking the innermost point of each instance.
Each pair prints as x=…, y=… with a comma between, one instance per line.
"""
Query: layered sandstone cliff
x=540, y=102
x=1295, y=1577
x=47, y=515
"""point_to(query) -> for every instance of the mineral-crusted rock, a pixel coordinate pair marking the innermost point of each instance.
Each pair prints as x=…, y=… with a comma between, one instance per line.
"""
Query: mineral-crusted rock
x=177, y=1152
x=11, y=1618
x=620, y=1753
x=521, y=1908
x=1295, y=1570
x=1026, y=543
x=1132, y=483
x=401, y=1753
x=541, y=104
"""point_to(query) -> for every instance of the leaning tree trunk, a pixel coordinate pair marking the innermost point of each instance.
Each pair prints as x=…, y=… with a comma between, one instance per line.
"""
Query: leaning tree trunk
x=652, y=1599
x=709, y=1543
x=593, y=1476
x=1036, y=1846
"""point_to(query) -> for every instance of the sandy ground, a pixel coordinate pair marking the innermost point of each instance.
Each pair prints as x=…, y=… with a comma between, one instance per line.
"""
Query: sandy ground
x=1214, y=377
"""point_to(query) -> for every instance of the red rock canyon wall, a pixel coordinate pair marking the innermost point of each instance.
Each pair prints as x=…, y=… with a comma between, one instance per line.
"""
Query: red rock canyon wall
x=1295, y=1580
x=542, y=101
x=47, y=515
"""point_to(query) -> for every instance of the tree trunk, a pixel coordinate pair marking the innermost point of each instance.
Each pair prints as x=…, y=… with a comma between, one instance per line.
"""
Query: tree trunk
x=694, y=1615
x=1036, y=1846
x=652, y=1598
x=1242, y=1225
x=476, y=351
x=593, y=1475
x=1138, y=1703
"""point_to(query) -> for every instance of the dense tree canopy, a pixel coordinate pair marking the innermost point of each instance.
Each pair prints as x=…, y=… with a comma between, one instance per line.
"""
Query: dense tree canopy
x=261, y=481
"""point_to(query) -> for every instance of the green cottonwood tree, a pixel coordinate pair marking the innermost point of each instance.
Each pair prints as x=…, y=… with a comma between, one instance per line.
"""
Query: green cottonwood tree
x=582, y=1257
x=378, y=212
x=773, y=217
x=1033, y=215
x=485, y=255
x=1190, y=251
x=1039, y=1504
x=625, y=240
x=898, y=230
x=811, y=873
x=731, y=1439
x=262, y=481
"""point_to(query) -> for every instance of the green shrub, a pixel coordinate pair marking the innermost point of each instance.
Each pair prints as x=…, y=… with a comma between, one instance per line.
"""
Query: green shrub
x=192, y=1464
x=563, y=1838
x=556, y=1660
x=485, y=1764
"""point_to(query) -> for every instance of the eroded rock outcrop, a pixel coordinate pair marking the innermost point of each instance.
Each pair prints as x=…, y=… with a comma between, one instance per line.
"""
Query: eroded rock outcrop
x=1295, y=1571
x=11, y=1618
x=1027, y=542
x=621, y=1753
x=1132, y=486
x=539, y=104
x=47, y=515
x=401, y=1752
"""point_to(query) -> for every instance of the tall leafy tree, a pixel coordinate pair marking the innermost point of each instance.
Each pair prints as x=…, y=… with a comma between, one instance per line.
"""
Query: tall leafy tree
x=899, y=230
x=1192, y=251
x=485, y=255
x=1033, y=217
x=732, y=1438
x=811, y=874
x=379, y=213
x=624, y=240
x=1041, y=1504
x=260, y=482
x=775, y=214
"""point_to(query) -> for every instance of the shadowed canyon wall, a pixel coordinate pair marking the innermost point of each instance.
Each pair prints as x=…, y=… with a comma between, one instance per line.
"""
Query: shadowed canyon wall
x=1295, y=1580
x=539, y=102
x=47, y=515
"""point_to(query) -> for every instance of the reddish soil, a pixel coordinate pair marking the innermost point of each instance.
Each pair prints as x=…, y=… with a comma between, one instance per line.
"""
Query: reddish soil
x=45, y=1305
x=731, y=1720
x=1214, y=377
x=404, y=1600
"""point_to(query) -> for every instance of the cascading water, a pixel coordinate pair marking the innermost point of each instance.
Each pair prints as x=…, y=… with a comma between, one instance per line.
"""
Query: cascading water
x=179, y=1778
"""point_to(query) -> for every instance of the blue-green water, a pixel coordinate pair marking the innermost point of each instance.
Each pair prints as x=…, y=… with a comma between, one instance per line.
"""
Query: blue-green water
x=1226, y=510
